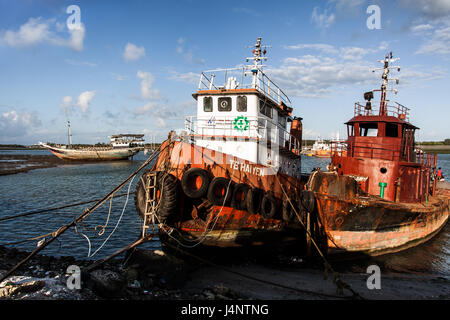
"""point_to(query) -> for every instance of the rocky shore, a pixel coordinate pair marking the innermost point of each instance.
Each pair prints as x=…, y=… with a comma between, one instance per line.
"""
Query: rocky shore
x=156, y=275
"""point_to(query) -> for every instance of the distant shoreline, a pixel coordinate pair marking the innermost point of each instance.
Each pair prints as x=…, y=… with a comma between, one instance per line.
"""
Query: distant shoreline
x=436, y=148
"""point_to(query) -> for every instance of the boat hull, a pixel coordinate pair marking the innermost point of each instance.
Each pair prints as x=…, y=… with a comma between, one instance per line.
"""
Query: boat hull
x=93, y=155
x=224, y=225
x=374, y=226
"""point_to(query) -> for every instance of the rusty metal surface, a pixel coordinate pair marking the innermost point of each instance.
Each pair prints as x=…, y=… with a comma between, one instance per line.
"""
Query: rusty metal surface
x=370, y=224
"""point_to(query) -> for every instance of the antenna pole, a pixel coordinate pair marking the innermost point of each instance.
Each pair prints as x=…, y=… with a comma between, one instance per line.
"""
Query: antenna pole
x=69, y=135
x=384, y=86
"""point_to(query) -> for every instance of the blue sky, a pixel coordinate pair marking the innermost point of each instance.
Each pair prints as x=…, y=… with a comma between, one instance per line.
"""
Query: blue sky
x=133, y=65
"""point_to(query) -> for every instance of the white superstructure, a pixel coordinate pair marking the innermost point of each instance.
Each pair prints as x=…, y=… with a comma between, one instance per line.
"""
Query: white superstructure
x=241, y=112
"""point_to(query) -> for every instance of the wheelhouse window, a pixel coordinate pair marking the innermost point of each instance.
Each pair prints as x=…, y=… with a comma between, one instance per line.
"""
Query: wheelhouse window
x=224, y=104
x=368, y=129
x=242, y=103
x=207, y=104
x=350, y=130
x=282, y=120
x=265, y=109
x=392, y=130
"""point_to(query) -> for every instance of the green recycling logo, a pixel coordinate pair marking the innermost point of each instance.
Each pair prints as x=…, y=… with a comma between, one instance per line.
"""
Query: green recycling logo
x=241, y=123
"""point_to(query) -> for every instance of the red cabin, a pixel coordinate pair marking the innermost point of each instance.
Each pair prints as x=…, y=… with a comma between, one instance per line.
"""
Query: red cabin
x=381, y=153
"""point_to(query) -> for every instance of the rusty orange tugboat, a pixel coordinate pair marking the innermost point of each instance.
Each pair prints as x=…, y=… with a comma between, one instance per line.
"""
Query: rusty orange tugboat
x=381, y=195
x=218, y=182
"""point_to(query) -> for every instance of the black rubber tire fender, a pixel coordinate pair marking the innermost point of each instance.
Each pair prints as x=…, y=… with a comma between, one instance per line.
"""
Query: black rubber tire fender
x=240, y=189
x=220, y=185
x=167, y=187
x=268, y=206
x=288, y=211
x=308, y=200
x=189, y=180
x=253, y=200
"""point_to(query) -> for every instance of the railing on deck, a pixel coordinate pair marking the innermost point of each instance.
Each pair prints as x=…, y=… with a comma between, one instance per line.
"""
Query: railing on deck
x=247, y=81
x=397, y=110
x=383, y=152
x=260, y=129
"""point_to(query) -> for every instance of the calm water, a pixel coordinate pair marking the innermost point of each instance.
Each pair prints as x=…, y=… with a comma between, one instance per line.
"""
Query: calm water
x=53, y=187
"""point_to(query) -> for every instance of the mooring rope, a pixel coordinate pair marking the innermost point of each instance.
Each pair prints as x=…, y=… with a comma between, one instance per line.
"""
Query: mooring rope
x=83, y=216
x=55, y=208
x=337, y=279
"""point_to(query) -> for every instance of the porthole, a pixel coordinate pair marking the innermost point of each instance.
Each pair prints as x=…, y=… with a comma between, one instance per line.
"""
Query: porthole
x=383, y=170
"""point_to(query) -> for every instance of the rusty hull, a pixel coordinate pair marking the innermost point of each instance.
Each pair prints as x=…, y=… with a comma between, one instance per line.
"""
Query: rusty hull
x=358, y=222
x=224, y=226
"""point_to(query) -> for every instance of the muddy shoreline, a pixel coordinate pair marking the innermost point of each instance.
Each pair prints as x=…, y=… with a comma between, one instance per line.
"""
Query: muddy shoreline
x=157, y=275
x=22, y=163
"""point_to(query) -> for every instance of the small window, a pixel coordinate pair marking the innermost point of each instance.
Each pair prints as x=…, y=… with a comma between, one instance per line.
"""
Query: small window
x=265, y=109
x=242, y=103
x=392, y=130
x=368, y=129
x=282, y=120
x=225, y=104
x=207, y=104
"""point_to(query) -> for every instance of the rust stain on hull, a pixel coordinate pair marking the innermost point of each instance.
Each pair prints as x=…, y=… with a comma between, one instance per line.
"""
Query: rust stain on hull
x=369, y=224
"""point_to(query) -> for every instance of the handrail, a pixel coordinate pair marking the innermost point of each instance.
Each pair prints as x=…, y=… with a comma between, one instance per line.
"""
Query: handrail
x=258, y=127
x=262, y=83
x=391, y=152
x=398, y=110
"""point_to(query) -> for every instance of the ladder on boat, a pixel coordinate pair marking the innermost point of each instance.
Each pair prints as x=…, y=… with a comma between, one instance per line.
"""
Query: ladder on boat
x=150, y=201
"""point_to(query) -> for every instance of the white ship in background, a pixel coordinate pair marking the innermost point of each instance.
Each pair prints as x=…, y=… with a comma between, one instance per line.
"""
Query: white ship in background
x=122, y=147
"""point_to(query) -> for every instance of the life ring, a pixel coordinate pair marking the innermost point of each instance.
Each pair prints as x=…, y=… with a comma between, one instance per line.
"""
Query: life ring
x=166, y=196
x=195, y=183
x=253, y=200
x=220, y=191
x=239, y=200
x=268, y=206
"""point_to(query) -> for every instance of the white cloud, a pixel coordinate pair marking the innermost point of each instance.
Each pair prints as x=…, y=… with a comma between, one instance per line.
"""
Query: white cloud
x=326, y=48
x=438, y=42
x=147, y=80
x=84, y=99
x=421, y=28
x=313, y=76
x=433, y=9
x=38, y=30
x=160, y=123
x=133, y=52
x=188, y=77
x=67, y=105
x=188, y=54
x=118, y=77
x=80, y=63
x=15, y=124
x=322, y=20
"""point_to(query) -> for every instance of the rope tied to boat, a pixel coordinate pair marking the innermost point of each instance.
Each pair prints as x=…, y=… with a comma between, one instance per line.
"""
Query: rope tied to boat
x=84, y=215
x=340, y=284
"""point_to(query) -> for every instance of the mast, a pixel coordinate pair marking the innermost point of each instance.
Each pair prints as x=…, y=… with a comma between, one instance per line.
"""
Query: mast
x=256, y=60
x=69, y=134
x=384, y=85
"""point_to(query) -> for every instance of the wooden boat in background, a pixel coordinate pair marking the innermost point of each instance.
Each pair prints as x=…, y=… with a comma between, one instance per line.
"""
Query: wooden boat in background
x=122, y=147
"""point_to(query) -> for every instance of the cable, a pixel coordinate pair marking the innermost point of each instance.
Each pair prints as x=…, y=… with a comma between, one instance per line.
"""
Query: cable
x=53, y=209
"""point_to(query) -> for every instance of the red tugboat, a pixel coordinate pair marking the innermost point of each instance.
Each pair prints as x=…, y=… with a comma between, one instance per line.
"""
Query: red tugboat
x=218, y=183
x=380, y=196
